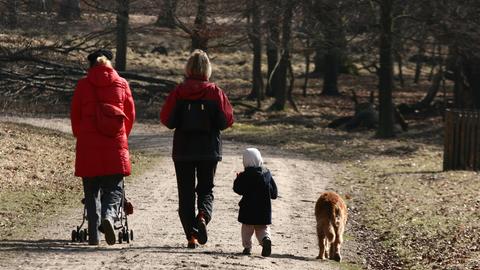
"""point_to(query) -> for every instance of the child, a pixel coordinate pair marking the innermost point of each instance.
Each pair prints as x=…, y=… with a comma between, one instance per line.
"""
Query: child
x=257, y=187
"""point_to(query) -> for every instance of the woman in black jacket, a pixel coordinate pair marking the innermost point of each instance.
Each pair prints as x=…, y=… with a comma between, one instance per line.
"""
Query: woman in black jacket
x=257, y=187
x=198, y=110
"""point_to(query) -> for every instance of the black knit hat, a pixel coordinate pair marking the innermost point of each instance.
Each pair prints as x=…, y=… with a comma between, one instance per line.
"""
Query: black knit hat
x=92, y=58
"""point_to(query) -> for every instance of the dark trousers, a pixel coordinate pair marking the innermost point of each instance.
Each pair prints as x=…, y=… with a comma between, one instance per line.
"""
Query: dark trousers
x=204, y=172
x=103, y=195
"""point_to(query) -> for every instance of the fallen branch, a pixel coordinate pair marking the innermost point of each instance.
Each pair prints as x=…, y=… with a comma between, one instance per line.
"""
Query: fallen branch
x=238, y=103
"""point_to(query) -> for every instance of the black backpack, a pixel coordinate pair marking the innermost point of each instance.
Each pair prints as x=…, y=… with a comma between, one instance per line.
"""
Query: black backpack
x=194, y=115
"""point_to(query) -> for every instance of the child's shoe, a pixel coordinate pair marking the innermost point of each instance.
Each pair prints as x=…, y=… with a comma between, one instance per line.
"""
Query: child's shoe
x=247, y=251
x=266, y=247
x=192, y=242
x=202, y=229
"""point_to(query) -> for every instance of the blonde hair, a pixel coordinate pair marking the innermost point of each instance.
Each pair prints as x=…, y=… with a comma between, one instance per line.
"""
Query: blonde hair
x=198, y=65
x=103, y=60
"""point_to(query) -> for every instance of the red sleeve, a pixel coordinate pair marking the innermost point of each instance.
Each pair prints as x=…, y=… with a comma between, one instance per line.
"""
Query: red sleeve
x=226, y=107
x=129, y=109
x=76, y=109
x=168, y=107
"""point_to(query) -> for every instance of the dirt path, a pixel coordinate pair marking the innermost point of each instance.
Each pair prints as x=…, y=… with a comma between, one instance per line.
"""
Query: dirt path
x=160, y=243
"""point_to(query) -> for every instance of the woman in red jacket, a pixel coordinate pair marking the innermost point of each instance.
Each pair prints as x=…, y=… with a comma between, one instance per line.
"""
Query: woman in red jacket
x=198, y=110
x=101, y=160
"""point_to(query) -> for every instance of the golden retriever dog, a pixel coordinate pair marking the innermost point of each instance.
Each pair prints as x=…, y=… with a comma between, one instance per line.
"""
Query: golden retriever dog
x=331, y=214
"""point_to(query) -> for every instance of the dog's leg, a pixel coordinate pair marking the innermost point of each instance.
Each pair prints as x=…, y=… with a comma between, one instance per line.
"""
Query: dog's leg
x=327, y=248
x=335, y=249
x=321, y=242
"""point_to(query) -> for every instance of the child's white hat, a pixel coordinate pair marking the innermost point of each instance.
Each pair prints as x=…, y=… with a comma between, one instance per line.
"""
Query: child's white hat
x=252, y=158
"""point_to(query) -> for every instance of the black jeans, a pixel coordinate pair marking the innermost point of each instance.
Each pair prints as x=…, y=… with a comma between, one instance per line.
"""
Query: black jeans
x=205, y=173
x=103, y=195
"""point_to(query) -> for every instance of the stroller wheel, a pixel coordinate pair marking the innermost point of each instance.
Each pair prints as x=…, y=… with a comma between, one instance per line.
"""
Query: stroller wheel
x=131, y=235
x=81, y=236
x=127, y=237
x=74, y=236
x=120, y=237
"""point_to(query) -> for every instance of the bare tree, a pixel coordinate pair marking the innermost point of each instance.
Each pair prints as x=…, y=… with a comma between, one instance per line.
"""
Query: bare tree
x=199, y=34
x=254, y=34
x=12, y=8
x=327, y=13
x=284, y=62
x=385, y=73
x=123, y=7
x=166, y=18
x=273, y=8
x=69, y=9
x=39, y=5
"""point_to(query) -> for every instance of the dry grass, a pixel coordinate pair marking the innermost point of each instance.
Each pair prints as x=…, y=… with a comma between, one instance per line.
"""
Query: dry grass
x=399, y=197
x=36, y=177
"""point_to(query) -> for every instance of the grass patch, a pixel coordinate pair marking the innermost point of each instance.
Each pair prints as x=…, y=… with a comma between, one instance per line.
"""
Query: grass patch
x=428, y=217
x=36, y=177
x=424, y=217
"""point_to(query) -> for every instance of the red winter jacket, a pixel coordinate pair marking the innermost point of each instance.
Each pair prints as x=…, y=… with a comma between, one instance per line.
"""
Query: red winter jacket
x=96, y=154
x=188, y=145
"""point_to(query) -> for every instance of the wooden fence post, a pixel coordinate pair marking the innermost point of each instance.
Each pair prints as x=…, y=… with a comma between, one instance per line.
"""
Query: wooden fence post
x=461, y=142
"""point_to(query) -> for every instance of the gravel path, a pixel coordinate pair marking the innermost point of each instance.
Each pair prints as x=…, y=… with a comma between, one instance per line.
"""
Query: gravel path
x=159, y=242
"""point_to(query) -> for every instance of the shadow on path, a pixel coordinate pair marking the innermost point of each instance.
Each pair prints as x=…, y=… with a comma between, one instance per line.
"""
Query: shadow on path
x=67, y=247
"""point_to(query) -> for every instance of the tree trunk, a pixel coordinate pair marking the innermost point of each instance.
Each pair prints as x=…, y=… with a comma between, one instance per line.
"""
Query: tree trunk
x=281, y=70
x=432, y=91
x=319, y=60
x=327, y=13
x=199, y=33
x=255, y=38
x=437, y=52
x=471, y=69
x=459, y=92
x=386, y=123
x=330, y=52
x=123, y=7
x=419, y=64
x=400, y=69
x=12, y=19
x=330, y=75
x=69, y=10
x=273, y=43
x=307, y=70
x=166, y=18
x=291, y=86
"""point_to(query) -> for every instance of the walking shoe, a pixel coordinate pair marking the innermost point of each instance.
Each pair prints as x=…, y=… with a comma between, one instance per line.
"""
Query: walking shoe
x=108, y=229
x=266, y=247
x=202, y=229
x=247, y=251
x=192, y=242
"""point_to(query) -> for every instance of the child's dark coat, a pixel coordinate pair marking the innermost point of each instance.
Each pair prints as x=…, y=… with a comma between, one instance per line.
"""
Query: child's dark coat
x=257, y=187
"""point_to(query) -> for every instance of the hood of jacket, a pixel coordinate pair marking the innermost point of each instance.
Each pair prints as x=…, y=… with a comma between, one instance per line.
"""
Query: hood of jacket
x=252, y=158
x=102, y=75
x=193, y=88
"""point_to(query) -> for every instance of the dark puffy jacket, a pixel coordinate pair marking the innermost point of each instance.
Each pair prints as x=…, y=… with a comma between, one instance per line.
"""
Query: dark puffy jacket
x=193, y=144
x=257, y=187
x=96, y=154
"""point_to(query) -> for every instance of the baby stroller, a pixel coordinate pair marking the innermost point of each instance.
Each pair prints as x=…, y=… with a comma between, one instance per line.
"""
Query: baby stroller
x=124, y=234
